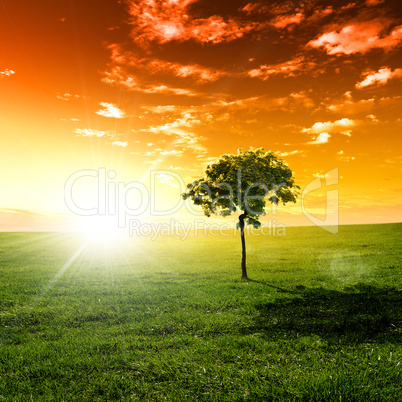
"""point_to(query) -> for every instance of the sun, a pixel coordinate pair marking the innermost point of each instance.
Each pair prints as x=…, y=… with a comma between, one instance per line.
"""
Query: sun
x=101, y=230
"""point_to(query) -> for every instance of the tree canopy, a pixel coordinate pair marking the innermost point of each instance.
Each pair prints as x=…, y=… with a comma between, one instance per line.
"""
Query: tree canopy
x=244, y=182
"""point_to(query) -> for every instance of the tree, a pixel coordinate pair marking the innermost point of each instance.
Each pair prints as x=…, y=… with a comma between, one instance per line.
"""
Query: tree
x=243, y=182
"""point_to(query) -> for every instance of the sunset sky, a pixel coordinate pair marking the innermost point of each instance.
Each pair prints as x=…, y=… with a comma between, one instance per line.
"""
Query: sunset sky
x=139, y=86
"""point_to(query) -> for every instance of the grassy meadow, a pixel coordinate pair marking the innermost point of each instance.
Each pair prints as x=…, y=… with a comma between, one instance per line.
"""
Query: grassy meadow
x=320, y=318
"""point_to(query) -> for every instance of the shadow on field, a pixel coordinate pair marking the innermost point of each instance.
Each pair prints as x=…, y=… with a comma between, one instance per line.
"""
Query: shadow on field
x=282, y=290
x=361, y=313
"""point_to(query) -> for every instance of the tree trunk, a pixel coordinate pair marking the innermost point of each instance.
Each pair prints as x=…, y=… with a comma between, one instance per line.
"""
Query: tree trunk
x=243, y=246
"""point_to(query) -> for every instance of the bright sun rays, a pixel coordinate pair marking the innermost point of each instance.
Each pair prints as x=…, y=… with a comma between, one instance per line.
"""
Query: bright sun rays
x=102, y=231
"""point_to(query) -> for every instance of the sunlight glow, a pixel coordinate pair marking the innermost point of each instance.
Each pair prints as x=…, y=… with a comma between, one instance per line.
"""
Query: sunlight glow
x=102, y=230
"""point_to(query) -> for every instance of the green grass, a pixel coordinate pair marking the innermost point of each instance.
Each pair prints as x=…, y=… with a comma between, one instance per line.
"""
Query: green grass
x=319, y=320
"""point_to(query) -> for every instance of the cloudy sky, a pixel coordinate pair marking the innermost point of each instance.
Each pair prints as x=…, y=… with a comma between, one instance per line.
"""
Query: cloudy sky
x=145, y=85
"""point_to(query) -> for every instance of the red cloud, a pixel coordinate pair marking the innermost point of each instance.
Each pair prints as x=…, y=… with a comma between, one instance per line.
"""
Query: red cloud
x=286, y=13
x=288, y=68
x=118, y=76
x=252, y=7
x=167, y=20
x=154, y=65
x=374, y=2
x=359, y=37
x=285, y=20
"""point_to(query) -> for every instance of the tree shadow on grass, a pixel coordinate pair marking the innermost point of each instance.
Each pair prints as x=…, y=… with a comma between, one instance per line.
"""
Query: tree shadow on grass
x=361, y=313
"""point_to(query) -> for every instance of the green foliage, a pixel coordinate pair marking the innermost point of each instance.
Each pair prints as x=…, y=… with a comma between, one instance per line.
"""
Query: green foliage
x=245, y=181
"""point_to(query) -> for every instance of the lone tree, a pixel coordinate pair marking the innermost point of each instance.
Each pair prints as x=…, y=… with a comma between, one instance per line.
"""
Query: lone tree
x=243, y=182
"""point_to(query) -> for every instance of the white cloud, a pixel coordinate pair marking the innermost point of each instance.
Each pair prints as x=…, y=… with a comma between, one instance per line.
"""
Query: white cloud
x=167, y=179
x=164, y=89
x=173, y=152
x=296, y=151
x=6, y=73
x=120, y=143
x=66, y=96
x=238, y=103
x=183, y=138
x=187, y=120
x=341, y=125
x=372, y=118
x=156, y=162
x=110, y=110
x=87, y=132
x=164, y=109
x=73, y=119
x=381, y=77
x=358, y=37
x=321, y=138
x=111, y=135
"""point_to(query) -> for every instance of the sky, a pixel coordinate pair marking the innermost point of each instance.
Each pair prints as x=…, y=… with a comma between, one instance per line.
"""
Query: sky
x=135, y=98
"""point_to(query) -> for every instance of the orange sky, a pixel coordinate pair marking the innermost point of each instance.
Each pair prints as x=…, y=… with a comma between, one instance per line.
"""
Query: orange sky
x=136, y=86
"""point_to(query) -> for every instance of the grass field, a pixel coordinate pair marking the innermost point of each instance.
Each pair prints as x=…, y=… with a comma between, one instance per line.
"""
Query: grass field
x=319, y=320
